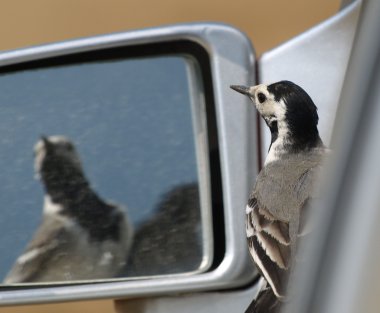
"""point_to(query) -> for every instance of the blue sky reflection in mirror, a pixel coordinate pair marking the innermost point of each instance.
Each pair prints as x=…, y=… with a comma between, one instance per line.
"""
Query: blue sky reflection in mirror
x=135, y=125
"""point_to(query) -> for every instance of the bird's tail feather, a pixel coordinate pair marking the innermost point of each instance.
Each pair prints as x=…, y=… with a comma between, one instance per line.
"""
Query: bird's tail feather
x=265, y=302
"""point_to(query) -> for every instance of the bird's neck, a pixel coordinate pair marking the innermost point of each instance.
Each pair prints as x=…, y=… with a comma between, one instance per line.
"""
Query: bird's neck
x=101, y=220
x=68, y=193
x=286, y=139
x=74, y=196
x=67, y=190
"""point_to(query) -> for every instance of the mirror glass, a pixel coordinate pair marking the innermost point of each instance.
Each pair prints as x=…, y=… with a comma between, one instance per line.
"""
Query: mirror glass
x=104, y=171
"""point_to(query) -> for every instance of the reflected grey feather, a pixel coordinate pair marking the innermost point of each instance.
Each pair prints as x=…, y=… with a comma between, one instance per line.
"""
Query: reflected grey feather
x=49, y=243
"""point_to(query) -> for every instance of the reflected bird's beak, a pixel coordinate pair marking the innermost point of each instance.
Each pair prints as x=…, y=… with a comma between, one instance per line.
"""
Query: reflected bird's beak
x=45, y=140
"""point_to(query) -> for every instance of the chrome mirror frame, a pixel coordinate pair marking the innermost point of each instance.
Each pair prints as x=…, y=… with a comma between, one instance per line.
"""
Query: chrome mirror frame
x=231, y=60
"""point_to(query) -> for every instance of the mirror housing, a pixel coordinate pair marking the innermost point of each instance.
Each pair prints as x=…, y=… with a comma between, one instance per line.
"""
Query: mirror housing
x=224, y=54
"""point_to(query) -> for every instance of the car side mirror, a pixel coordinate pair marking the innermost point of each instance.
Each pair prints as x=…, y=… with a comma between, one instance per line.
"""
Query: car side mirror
x=138, y=146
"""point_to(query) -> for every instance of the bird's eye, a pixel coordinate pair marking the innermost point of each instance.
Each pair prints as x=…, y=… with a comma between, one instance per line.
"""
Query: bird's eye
x=261, y=97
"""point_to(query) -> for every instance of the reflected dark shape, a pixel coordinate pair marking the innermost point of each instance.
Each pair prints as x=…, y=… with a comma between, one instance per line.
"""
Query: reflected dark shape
x=170, y=241
x=81, y=236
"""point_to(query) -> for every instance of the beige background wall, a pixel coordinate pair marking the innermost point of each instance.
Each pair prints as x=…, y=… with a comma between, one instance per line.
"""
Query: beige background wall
x=267, y=23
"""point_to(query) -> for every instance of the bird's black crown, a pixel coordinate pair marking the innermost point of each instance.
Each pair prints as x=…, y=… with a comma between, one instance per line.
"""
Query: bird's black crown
x=301, y=114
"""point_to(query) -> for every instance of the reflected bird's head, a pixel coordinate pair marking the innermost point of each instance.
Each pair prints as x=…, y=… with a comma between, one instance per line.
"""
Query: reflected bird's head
x=56, y=157
x=288, y=111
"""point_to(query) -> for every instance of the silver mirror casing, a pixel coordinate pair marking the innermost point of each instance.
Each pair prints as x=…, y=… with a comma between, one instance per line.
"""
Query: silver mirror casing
x=231, y=60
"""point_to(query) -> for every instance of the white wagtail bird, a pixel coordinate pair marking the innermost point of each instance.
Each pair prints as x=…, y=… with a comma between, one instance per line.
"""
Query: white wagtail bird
x=276, y=213
x=81, y=236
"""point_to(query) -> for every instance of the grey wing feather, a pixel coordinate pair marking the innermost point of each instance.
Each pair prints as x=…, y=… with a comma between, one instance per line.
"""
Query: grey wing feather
x=50, y=237
x=277, y=216
x=269, y=245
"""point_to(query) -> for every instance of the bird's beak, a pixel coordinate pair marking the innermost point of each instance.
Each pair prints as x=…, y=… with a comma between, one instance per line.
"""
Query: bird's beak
x=46, y=143
x=242, y=89
x=45, y=140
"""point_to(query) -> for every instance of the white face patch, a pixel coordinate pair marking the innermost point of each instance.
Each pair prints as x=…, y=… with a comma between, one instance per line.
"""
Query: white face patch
x=265, y=103
x=276, y=149
x=50, y=207
x=39, y=151
x=272, y=111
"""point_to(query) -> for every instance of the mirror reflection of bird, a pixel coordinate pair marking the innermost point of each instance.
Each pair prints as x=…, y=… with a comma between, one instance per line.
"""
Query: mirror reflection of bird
x=158, y=245
x=276, y=213
x=81, y=236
